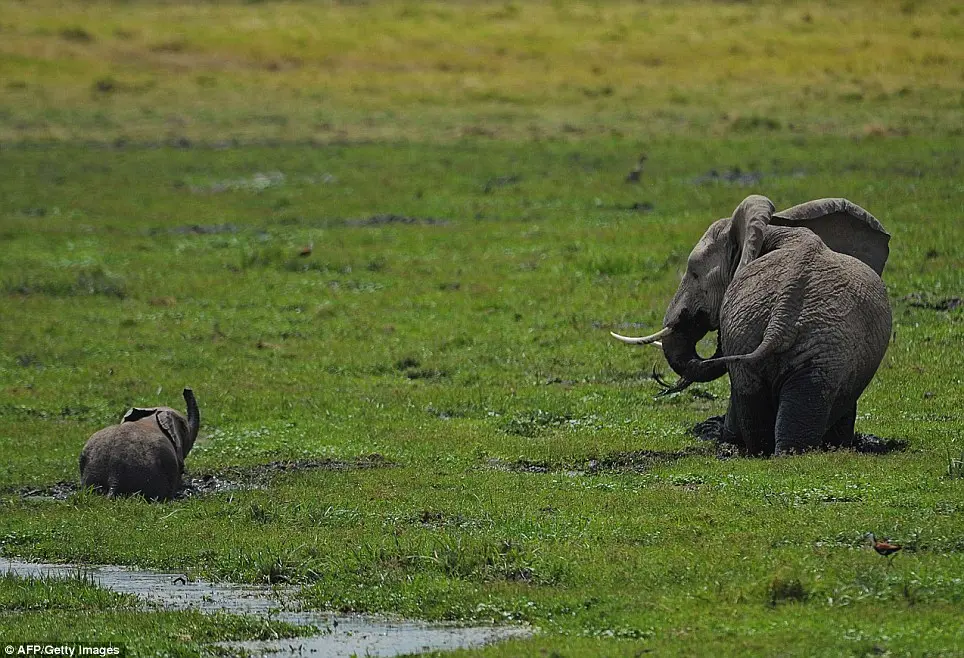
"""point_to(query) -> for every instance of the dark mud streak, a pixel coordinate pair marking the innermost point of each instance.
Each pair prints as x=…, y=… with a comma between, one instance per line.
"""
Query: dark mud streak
x=374, y=221
x=228, y=479
x=22, y=412
x=390, y=218
x=58, y=491
x=636, y=461
x=501, y=181
x=197, y=229
x=923, y=300
x=711, y=429
x=733, y=176
x=259, y=475
x=182, y=143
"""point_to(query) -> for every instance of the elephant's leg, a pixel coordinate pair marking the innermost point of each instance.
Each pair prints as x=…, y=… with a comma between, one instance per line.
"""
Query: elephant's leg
x=802, y=414
x=841, y=433
x=731, y=431
x=754, y=417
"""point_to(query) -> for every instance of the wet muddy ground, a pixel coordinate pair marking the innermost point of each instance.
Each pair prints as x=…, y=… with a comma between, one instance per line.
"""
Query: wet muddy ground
x=338, y=634
x=924, y=300
x=231, y=478
x=733, y=176
x=711, y=429
x=259, y=476
x=635, y=461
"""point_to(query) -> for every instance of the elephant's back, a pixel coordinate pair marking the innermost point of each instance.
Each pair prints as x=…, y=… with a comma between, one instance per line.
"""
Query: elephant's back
x=124, y=459
x=842, y=328
x=857, y=328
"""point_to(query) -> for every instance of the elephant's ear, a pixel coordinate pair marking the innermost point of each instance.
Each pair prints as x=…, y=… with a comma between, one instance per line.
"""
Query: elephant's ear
x=136, y=413
x=175, y=428
x=747, y=226
x=843, y=226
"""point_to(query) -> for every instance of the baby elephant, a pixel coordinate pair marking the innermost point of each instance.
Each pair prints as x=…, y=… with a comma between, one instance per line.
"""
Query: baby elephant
x=144, y=454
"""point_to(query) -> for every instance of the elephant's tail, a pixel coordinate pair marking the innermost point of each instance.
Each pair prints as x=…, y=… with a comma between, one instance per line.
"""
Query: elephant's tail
x=193, y=418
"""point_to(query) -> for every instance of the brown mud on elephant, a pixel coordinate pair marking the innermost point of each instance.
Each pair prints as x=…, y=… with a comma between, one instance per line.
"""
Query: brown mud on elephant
x=144, y=454
x=802, y=315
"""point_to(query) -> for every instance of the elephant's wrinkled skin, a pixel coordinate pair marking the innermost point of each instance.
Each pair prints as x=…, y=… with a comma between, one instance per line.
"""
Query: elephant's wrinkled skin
x=144, y=454
x=803, y=317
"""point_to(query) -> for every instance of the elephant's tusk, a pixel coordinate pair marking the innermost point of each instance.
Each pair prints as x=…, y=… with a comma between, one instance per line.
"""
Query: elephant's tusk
x=644, y=340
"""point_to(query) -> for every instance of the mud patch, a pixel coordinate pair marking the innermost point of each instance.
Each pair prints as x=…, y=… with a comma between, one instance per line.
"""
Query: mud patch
x=257, y=182
x=923, y=300
x=875, y=445
x=29, y=361
x=434, y=519
x=196, y=229
x=389, y=219
x=732, y=176
x=411, y=368
x=259, y=475
x=639, y=206
x=636, y=461
x=23, y=412
x=519, y=465
x=501, y=181
x=337, y=634
x=58, y=491
x=533, y=423
x=640, y=461
x=72, y=281
x=206, y=484
x=233, y=478
x=711, y=429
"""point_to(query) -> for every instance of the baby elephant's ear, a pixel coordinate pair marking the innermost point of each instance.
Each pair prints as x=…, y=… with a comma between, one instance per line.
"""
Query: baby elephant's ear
x=136, y=413
x=175, y=427
x=843, y=226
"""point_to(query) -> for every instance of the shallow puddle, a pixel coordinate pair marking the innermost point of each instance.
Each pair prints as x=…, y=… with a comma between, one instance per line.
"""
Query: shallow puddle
x=338, y=634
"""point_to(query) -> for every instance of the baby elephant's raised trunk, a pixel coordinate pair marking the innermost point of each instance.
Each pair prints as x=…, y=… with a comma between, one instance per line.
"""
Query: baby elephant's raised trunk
x=193, y=415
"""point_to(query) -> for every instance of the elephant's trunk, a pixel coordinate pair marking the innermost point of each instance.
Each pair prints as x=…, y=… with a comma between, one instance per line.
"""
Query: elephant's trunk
x=679, y=347
x=193, y=415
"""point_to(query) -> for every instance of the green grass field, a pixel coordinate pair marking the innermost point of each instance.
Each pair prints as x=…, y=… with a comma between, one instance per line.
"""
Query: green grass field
x=458, y=171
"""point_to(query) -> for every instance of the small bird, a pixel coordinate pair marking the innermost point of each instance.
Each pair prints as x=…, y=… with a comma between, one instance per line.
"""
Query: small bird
x=883, y=547
x=307, y=249
x=636, y=174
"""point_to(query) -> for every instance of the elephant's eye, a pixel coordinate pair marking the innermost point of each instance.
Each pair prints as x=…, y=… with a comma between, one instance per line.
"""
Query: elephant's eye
x=694, y=275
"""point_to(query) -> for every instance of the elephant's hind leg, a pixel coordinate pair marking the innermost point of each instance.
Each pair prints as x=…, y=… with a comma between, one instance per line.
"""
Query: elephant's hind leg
x=802, y=415
x=841, y=433
x=731, y=430
x=751, y=418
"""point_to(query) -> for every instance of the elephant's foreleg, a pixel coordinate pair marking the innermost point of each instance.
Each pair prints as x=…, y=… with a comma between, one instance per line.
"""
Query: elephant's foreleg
x=841, y=433
x=802, y=415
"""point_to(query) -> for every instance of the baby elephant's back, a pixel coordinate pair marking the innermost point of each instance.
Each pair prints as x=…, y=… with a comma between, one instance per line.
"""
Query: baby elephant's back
x=131, y=458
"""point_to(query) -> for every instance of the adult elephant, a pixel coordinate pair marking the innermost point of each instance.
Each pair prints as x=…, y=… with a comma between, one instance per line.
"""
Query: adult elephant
x=802, y=314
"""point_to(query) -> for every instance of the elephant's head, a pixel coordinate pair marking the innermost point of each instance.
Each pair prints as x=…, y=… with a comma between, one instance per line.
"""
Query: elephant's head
x=181, y=432
x=729, y=245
